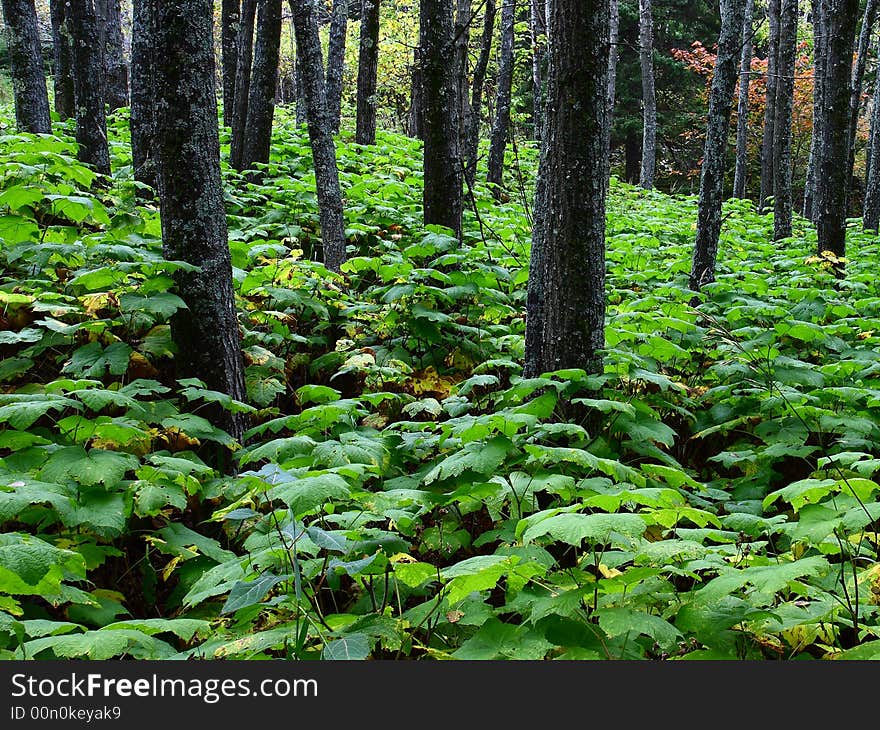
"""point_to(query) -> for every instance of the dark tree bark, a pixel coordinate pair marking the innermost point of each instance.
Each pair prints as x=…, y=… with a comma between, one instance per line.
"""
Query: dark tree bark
x=62, y=62
x=416, y=122
x=858, y=78
x=264, y=79
x=108, y=14
x=742, y=110
x=245, y=49
x=230, y=20
x=538, y=26
x=632, y=152
x=773, y=9
x=782, y=208
x=191, y=200
x=368, y=65
x=501, y=126
x=308, y=47
x=143, y=119
x=336, y=61
x=442, y=157
x=565, y=318
x=811, y=186
x=26, y=61
x=715, y=153
x=301, y=106
x=476, y=103
x=872, y=187
x=91, y=119
x=649, y=98
x=834, y=150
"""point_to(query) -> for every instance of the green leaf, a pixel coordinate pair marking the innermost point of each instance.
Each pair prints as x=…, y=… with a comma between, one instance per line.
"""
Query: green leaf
x=764, y=578
x=250, y=593
x=598, y=528
x=482, y=458
x=354, y=647
x=95, y=466
x=621, y=621
x=305, y=494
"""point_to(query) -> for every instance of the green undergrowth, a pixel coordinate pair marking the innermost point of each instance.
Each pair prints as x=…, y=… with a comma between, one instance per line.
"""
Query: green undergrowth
x=402, y=491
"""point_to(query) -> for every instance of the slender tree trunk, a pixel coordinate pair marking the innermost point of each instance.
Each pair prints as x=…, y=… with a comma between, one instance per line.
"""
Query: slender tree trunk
x=742, y=113
x=715, y=153
x=63, y=72
x=91, y=120
x=501, y=126
x=442, y=157
x=538, y=24
x=811, y=187
x=301, y=106
x=368, y=65
x=336, y=61
x=245, y=48
x=230, y=20
x=143, y=115
x=308, y=47
x=264, y=79
x=26, y=61
x=782, y=209
x=649, y=99
x=872, y=187
x=462, y=36
x=773, y=9
x=858, y=78
x=476, y=104
x=614, y=55
x=191, y=200
x=565, y=318
x=109, y=17
x=632, y=151
x=834, y=151
x=416, y=125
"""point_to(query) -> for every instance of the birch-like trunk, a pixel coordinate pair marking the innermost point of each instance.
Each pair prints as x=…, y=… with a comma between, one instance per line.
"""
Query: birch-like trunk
x=740, y=178
x=649, y=96
x=715, y=153
x=773, y=9
x=501, y=126
x=329, y=193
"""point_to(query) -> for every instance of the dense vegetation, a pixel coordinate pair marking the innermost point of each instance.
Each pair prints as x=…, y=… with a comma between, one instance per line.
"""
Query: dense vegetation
x=401, y=490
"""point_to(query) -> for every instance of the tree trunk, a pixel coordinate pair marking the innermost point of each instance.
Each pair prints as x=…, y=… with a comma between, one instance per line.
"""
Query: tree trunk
x=501, y=126
x=336, y=61
x=649, y=98
x=191, y=201
x=463, y=19
x=782, y=126
x=476, y=104
x=834, y=150
x=442, y=157
x=264, y=79
x=565, y=319
x=301, y=107
x=857, y=80
x=26, y=61
x=811, y=187
x=773, y=9
x=109, y=17
x=416, y=125
x=62, y=61
x=715, y=153
x=538, y=25
x=91, y=120
x=632, y=151
x=872, y=187
x=245, y=48
x=308, y=48
x=368, y=65
x=230, y=20
x=143, y=119
x=614, y=55
x=742, y=113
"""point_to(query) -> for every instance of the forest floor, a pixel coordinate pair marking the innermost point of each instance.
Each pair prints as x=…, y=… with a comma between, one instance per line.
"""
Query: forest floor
x=402, y=491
